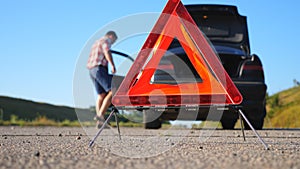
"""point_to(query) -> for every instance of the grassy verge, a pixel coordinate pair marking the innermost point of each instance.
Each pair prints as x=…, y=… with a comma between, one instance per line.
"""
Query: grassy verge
x=39, y=121
x=44, y=121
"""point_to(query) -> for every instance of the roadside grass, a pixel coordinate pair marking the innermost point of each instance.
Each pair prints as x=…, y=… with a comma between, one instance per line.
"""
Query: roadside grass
x=44, y=121
x=39, y=121
x=284, y=109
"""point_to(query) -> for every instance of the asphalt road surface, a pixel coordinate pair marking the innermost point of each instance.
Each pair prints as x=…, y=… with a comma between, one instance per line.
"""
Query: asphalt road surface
x=51, y=147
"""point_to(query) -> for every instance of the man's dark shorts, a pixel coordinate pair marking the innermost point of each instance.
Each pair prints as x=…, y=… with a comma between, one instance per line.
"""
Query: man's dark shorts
x=101, y=79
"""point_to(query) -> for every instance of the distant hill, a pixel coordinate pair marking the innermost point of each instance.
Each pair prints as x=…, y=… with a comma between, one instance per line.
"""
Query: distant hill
x=283, y=109
x=29, y=110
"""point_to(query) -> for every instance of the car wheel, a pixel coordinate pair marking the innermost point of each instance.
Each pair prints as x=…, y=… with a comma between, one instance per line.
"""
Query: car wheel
x=151, y=120
x=258, y=121
x=228, y=124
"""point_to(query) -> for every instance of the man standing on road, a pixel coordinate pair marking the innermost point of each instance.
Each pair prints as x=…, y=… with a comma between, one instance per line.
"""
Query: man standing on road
x=97, y=64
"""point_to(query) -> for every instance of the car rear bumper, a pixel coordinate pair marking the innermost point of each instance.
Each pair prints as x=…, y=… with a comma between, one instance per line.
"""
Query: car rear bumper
x=254, y=98
x=253, y=104
x=252, y=91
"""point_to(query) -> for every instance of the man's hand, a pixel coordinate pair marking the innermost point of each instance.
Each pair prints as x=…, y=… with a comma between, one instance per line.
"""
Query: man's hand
x=113, y=69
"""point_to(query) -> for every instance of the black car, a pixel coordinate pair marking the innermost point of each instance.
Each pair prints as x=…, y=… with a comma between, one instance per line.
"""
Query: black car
x=228, y=33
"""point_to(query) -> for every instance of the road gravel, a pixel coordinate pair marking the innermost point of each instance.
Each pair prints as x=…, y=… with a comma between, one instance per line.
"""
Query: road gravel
x=54, y=147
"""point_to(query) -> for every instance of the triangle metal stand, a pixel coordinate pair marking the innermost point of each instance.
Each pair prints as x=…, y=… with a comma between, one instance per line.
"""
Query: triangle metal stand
x=238, y=110
x=113, y=112
x=241, y=117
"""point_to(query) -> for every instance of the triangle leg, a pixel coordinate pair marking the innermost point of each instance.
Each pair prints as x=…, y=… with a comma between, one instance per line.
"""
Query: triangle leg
x=242, y=126
x=252, y=128
x=117, y=122
x=101, y=129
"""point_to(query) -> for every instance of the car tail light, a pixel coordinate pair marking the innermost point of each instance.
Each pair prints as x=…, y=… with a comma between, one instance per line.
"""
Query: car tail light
x=253, y=67
x=252, y=72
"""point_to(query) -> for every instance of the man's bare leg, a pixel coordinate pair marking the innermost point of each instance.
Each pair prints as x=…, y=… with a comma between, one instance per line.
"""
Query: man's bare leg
x=105, y=104
x=99, y=103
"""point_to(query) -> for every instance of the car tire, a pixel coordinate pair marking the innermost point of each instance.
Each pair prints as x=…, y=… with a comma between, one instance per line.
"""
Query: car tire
x=228, y=123
x=257, y=122
x=151, y=120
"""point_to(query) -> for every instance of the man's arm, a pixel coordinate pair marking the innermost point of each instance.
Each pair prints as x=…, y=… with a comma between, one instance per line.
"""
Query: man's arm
x=110, y=60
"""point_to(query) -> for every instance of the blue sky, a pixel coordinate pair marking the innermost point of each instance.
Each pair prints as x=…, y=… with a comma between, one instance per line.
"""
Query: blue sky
x=40, y=41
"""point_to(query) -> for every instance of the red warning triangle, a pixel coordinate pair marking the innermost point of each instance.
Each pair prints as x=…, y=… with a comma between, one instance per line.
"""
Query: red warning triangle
x=139, y=87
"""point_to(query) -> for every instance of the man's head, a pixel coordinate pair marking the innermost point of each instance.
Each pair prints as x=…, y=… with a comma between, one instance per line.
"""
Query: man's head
x=112, y=36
